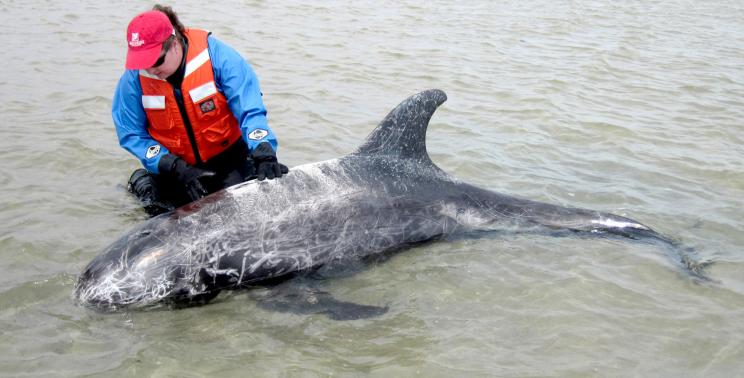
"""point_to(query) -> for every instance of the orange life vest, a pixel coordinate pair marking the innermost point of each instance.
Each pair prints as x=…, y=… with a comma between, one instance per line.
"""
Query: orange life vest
x=214, y=126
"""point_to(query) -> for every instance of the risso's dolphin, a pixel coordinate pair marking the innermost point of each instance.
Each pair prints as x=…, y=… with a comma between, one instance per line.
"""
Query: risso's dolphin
x=385, y=196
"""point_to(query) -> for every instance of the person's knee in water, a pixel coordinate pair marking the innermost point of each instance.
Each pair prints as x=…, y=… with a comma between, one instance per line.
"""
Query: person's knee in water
x=145, y=187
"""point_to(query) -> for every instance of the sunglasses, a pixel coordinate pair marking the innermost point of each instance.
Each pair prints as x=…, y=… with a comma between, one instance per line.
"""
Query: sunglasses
x=166, y=46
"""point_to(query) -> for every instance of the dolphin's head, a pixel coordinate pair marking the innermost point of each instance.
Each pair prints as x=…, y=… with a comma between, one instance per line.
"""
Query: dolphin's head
x=149, y=265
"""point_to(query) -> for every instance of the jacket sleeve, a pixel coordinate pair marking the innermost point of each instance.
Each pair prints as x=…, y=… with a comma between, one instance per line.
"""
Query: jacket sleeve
x=131, y=122
x=237, y=81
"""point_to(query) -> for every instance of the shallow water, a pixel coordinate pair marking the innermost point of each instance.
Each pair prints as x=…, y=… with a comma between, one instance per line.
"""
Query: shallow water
x=632, y=107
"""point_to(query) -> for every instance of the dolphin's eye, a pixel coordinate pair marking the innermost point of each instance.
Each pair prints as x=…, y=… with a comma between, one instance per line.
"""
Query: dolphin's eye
x=138, y=237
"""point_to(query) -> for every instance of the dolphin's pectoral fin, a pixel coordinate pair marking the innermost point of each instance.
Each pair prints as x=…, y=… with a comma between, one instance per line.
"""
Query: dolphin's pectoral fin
x=193, y=300
x=307, y=301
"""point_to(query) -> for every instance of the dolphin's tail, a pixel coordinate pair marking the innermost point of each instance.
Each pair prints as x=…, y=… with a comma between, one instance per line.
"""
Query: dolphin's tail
x=685, y=256
x=496, y=212
x=600, y=223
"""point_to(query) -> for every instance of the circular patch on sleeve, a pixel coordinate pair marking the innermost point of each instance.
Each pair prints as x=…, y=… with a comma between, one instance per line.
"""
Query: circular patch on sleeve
x=152, y=151
x=258, y=134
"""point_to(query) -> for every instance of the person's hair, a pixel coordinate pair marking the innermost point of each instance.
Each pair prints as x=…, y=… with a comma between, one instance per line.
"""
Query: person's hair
x=173, y=17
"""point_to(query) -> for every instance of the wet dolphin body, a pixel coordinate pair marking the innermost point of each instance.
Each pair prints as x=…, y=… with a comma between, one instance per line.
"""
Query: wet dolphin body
x=385, y=196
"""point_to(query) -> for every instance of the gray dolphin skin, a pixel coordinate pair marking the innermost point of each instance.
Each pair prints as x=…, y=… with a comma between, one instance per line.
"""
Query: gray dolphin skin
x=384, y=197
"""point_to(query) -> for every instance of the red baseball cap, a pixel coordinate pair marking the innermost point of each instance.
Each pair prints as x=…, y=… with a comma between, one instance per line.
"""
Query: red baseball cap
x=145, y=36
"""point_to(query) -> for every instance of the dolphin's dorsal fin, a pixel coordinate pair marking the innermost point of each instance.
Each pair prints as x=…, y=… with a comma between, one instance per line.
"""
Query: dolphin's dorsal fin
x=403, y=131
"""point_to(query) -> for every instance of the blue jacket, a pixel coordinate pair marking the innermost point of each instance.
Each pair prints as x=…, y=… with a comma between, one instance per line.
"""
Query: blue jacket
x=234, y=78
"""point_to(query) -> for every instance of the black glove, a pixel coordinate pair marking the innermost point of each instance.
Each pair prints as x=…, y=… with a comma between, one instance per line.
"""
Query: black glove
x=267, y=166
x=192, y=178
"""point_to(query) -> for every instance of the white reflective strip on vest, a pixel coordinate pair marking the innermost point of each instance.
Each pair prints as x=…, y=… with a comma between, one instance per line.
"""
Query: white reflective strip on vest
x=197, y=62
x=153, y=102
x=203, y=91
x=145, y=74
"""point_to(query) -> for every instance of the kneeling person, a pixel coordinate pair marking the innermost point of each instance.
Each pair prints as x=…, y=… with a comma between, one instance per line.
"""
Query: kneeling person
x=190, y=108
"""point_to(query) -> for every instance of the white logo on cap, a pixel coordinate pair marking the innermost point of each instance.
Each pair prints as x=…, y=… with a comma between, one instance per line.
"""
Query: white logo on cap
x=135, y=41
